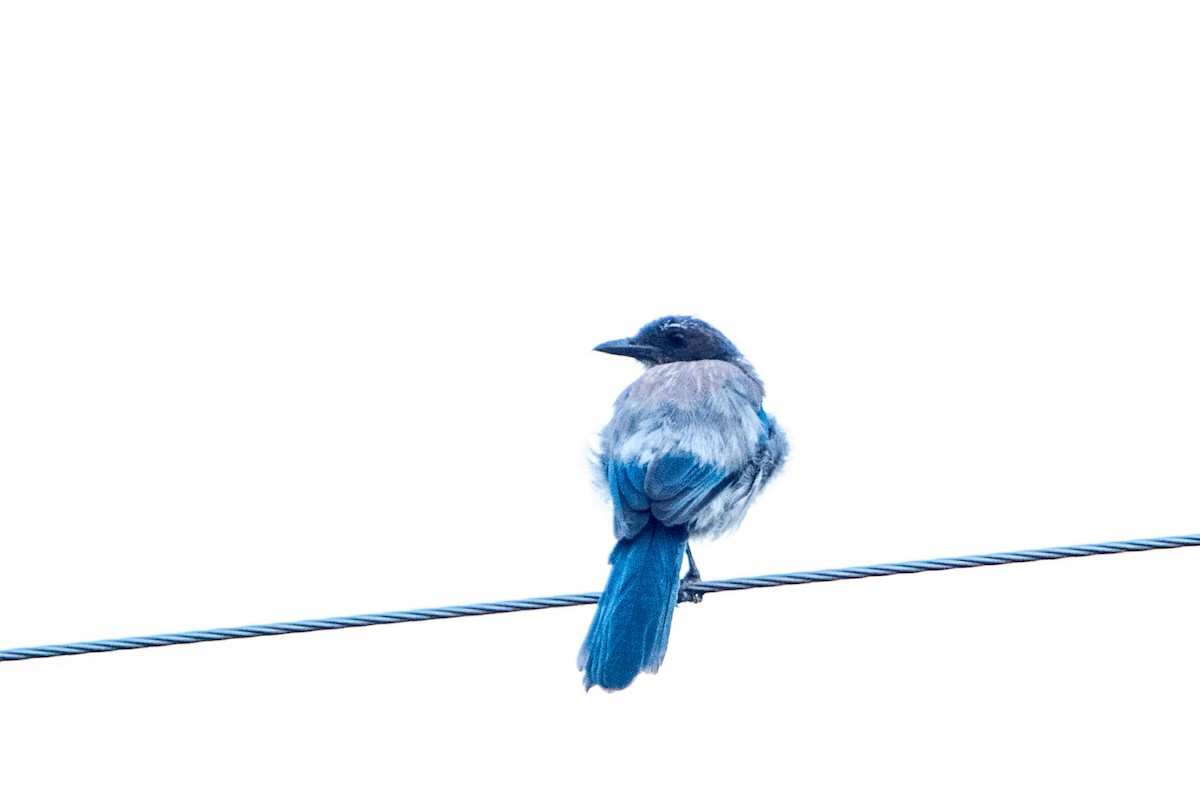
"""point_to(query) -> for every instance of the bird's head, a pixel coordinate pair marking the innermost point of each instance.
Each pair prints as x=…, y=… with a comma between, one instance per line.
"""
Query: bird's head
x=675, y=339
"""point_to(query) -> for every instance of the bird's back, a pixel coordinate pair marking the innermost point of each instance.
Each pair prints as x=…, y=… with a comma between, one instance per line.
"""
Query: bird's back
x=707, y=412
x=706, y=408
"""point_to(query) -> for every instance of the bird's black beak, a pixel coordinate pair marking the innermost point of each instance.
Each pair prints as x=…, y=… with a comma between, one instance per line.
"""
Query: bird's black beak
x=627, y=347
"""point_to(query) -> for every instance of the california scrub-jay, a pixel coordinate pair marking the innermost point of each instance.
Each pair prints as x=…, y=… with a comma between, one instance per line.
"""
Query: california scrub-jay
x=687, y=449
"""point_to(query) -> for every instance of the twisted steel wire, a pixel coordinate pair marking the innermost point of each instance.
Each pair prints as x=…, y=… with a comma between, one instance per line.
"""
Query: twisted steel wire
x=700, y=588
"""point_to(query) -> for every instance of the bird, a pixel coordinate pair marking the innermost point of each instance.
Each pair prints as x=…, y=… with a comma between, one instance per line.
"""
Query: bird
x=686, y=451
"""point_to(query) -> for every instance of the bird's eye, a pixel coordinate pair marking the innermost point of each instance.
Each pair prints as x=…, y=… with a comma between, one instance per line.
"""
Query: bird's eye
x=676, y=338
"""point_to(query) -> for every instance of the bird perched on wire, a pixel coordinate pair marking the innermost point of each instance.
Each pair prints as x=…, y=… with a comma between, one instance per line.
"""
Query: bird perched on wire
x=687, y=449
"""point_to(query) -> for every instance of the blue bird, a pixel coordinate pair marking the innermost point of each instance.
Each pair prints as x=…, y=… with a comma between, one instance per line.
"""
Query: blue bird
x=687, y=449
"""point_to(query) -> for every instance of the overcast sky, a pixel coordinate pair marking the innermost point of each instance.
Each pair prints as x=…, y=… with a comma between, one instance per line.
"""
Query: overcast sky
x=297, y=304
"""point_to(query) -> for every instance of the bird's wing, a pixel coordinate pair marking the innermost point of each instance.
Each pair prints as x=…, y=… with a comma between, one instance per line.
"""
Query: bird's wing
x=673, y=488
x=679, y=485
x=631, y=507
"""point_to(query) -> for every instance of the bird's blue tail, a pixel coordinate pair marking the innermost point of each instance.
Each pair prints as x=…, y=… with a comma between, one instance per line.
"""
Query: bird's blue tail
x=633, y=618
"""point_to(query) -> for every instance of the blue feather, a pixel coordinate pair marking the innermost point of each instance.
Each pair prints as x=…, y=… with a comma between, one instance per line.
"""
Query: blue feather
x=631, y=507
x=678, y=485
x=629, y=632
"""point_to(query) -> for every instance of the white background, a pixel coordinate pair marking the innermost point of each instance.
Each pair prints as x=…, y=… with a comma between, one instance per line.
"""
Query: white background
x=296, y=311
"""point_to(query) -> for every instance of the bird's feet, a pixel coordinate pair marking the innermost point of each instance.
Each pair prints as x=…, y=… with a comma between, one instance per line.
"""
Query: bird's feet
x=687, y=585
x=688, y=592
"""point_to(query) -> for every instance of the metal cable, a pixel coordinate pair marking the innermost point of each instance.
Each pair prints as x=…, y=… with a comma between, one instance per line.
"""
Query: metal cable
x=803, y=577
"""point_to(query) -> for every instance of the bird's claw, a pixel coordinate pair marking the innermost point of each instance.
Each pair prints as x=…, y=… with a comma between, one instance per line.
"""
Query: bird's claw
x=688, y=592
x=687, y=584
